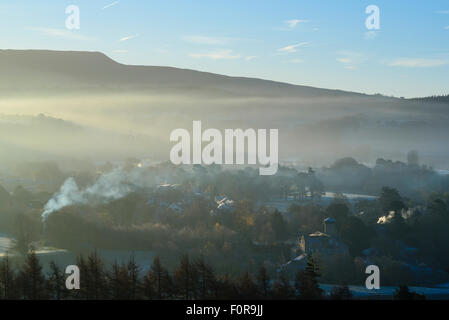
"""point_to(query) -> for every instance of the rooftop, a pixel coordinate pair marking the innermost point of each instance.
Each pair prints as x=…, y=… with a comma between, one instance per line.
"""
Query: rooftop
x=319, y=234
x=329, y=220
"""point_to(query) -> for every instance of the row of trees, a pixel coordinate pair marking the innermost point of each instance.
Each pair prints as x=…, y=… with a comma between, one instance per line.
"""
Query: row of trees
x=191, y=279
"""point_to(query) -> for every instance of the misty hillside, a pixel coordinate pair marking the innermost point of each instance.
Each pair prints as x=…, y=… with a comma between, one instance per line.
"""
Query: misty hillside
x=108, y=111
x=42, y=69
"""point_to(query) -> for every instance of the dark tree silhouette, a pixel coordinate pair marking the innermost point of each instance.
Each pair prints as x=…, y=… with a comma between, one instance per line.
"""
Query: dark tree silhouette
x=8, y=290
x=341, y=292
x=306, y=281
x=282, y=289
x=263, y=282
x=32, y=280
x=404, y=293
x=56, y=282
x=247, y=288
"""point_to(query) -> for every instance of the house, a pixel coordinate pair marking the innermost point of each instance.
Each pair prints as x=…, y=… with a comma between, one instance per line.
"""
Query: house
x=326, y=244
x=223, y=204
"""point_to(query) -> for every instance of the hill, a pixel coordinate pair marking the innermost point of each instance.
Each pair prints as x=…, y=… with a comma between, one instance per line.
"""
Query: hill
x=44, y=69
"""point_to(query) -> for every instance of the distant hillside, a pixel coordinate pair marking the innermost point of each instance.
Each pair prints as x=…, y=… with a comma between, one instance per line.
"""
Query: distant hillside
x=43, y=69
x=437, y=99
x=96, y=108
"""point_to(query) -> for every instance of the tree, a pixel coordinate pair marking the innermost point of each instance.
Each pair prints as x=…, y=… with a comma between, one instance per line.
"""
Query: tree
x=84, y=292
x=133, y=276
x=306, y=281
x=97, y=276
x=157, y=281
x=403, y=293
x=339, y=211
x=356, y=235
x=282, y=289
x=391, y=200
x=8, y=290
x=184, y=276
x=33, y=282
x=279, y=226
x=413, y=158
x=205, y=278
x=247, y=289
x=94, y=277
x=341, y=293
x=226, y=288
x=56, y=282
x=263, y=282
x=315, y=185
x=118, y=281
x=24, y=234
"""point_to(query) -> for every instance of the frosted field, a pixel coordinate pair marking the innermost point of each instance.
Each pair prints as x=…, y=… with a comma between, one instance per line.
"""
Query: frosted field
x=282, y=205
x=437, y=292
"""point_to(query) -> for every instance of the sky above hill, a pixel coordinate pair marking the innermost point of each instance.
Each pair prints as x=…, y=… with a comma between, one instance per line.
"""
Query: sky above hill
x=322, y=43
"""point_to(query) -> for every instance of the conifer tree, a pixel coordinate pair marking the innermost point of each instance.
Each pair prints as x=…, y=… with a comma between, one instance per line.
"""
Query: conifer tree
x=33, y=282
x=56, y=282
x=263, y=282
x=282, y=289
x=97, y=277
x=149, y=286
x=8, y=290
x=133, y=278
x=306, y=281
x=184, y=276
x=205, y=278
x=158, y=277
x=118, y=282
x=247, y=288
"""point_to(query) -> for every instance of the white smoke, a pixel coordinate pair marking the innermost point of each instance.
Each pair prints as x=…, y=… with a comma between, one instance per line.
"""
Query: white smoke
x=109, y=186
x=387, y=219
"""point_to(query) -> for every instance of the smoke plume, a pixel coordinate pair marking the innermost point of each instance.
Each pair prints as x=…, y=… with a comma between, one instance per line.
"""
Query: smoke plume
x=109, y=186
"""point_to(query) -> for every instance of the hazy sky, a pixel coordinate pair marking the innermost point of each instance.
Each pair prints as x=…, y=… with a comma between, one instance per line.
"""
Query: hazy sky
x=319, y=43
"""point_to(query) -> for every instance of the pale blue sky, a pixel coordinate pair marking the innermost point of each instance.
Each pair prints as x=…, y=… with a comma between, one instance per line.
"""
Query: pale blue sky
x=319, y=43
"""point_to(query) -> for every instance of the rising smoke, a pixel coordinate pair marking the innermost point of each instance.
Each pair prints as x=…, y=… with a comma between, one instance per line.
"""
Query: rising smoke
x=109, y=186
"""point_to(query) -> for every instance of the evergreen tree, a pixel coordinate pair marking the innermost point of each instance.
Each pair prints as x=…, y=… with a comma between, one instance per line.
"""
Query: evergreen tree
x=97, y=277
x=225, y=288
x=263, y=282
x=158, y=280
x=56, y=282
x=184, y=276
x=118, y=281
x=85, y=283
x=93, y=282
x=8, y=290
x=168, y=285
x=133, y=278
x=279, y=226
x=247, y=289
x=149, y=286
x=282, y=289
x=33, y=282
x=306, y=281
x=205, y=278
x=23, y=234
x=404, y=293
x=341, y=293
